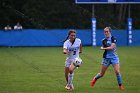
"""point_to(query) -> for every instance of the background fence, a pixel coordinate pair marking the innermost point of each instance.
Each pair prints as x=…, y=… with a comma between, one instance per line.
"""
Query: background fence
x=55, y=37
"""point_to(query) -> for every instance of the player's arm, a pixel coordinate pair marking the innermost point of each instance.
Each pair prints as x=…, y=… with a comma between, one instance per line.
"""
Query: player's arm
x=113, y=45
x=65, y=51
x=80, y=48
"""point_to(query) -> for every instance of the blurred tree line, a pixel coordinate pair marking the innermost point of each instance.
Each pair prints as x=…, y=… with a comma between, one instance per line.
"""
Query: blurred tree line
x=55, y=14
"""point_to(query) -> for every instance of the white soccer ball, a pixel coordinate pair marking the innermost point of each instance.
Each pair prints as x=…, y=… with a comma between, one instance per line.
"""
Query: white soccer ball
x=77, y=62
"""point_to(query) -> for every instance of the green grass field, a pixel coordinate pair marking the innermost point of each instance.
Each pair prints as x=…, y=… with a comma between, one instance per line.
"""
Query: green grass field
x=41, y=70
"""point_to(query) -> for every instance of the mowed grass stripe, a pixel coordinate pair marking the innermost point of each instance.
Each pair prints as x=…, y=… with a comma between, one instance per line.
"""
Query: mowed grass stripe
x=18, y=76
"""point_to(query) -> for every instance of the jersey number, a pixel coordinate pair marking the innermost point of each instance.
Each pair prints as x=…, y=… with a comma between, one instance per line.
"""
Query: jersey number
x=74, y=52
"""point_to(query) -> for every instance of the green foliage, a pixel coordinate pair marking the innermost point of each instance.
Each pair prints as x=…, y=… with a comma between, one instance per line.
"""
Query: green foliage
x=64, y=14
x=41, y=70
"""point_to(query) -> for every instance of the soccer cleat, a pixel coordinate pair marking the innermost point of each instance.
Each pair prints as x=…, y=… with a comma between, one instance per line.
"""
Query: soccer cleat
x=67, y=87
x=121, y=87
x=93, y=82
x=71, y=87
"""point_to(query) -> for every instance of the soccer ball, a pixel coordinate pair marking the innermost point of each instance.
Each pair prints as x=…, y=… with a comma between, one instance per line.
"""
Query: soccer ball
x=77, y=62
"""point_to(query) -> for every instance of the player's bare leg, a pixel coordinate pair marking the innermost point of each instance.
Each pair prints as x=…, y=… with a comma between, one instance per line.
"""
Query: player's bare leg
x=70, y=76
x=99, y=75
x=66, y=76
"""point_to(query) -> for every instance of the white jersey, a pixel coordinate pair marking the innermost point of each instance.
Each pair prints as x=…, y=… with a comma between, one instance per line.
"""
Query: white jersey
x=73, y=49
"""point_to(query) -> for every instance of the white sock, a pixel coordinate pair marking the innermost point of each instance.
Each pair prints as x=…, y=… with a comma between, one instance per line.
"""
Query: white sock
x=70, y=78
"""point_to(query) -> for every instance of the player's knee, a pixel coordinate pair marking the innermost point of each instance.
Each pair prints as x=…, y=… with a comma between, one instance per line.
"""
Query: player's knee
x=101, y=74
x=70, y=71
x=117, y=72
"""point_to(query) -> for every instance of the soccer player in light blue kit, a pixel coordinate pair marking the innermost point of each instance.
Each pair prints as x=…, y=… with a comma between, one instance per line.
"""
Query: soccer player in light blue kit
x=72, y=47
x=110, y=56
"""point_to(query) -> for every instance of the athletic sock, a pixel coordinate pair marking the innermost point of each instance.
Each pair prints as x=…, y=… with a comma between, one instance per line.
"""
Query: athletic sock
x=97, y=76
x=70, y=78
x=119, y=79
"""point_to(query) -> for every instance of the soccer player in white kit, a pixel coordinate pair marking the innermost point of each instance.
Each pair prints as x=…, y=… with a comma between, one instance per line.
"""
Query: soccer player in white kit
x=72, y=47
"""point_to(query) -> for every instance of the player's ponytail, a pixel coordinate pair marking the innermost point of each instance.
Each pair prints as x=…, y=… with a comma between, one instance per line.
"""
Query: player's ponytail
x=66, y=38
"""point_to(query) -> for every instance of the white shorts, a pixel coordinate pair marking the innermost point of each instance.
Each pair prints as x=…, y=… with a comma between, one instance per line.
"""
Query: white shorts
x=68, y=62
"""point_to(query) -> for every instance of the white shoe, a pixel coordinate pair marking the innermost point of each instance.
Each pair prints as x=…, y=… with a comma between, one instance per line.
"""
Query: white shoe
x=71, y=87
x=67, y=87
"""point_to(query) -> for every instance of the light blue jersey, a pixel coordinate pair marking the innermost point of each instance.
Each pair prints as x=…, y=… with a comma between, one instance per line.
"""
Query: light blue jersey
x=106, y=42
x=109, y=56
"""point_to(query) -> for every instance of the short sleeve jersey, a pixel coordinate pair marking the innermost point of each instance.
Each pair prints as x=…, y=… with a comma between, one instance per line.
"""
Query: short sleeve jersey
x=106, y=42
x=73, y=49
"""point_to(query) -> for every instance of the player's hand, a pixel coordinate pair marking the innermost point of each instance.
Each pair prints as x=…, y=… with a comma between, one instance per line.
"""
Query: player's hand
x=102, y=48
x=65, y=52
x=80, y=52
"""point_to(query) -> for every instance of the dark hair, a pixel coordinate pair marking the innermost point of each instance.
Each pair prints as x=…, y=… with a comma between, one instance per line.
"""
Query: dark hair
x=70, y=31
